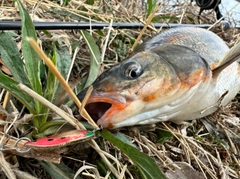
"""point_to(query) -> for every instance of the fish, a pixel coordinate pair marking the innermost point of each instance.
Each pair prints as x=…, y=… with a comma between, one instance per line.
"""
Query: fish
x=180, y=74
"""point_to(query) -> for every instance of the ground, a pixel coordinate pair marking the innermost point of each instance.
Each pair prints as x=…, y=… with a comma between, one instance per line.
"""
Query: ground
x=203, y=148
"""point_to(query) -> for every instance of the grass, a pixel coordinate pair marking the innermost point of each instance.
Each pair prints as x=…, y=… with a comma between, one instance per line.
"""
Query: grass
x=195, y=150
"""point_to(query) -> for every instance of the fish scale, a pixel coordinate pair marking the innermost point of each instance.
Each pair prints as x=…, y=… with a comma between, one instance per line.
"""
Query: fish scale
x=207, y=44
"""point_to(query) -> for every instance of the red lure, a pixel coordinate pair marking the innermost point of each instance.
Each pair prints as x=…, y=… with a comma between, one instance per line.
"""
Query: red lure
x=61, y=139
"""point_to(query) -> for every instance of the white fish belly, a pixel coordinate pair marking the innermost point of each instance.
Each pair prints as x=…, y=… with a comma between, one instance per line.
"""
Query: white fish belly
x=220, y=92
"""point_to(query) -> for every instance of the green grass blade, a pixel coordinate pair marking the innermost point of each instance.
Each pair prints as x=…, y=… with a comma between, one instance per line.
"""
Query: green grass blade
x=11, y=57
x=58, y=171
x=163, y=136
x=123, y=138
x=10, y=85
x=146, y=165
x=151, y=4
x=51, y=81
x=90, y=2
x=32, y=60
x=63, y=58
x=63, y=63
x=95, y=58
x=51, y=88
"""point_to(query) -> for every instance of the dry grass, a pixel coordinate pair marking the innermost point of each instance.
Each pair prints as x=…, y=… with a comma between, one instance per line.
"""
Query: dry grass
x=206, y=148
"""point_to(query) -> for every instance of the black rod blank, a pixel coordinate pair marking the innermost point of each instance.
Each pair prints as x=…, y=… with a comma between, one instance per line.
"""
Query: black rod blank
x=16, y=25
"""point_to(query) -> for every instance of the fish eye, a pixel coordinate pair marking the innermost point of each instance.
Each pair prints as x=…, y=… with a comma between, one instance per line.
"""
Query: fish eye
x=132, y=70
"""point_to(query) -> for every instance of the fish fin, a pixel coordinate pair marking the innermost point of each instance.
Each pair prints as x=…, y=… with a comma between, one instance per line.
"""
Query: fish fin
x=231, y=56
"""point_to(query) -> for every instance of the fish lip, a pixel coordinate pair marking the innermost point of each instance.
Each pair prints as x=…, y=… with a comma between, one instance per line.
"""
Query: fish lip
x=103, y=97
x=118, y=103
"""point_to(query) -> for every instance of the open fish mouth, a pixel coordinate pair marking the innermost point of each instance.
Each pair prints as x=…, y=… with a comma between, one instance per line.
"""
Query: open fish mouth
x=102, y=109
x=97, y=109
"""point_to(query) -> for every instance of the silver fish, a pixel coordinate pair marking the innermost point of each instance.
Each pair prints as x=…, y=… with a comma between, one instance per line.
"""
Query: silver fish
x=180, y=74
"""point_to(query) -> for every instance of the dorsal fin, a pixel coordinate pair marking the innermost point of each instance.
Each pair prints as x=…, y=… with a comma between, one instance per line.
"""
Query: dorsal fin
x=231, y=56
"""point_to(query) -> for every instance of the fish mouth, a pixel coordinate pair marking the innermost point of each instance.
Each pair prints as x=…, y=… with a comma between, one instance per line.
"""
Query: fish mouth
x=103, y=108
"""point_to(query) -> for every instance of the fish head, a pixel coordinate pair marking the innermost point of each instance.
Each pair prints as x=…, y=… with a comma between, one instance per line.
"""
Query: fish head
x=143, y=82
x=130, y=88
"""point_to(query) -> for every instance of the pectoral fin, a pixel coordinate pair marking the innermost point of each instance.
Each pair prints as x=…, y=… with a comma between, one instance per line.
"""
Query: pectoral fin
x=231, y=56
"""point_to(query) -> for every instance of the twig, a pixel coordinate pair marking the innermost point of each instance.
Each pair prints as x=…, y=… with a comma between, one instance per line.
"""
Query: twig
x=185, y=144
x=87, y=167
x=100, y=152
x=122, y=175
x=5, y=100
x=72, y=63
x=161, y=156
x=6, y=167
x=106, y=41
x=149, y=26
x=149, y=19
x=84, y=101
x=23, y=175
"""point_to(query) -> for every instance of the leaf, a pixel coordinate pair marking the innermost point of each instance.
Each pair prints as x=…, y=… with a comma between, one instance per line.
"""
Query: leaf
x=32, y=61
x=51, y=127
x=32, y=64
x=90, y=2
x=75, y=44
x=10, y=85
x=163, y=135
x=65, y=3
x=191, y=19
x=51, y=86
x=58, y=171
x=63, y=61
x=80, y=86
x=151, y=4
x=146, y=165
x=11, y=58
x=66, y=13
x=124, y=139
x=95, y=58
x=169, y=18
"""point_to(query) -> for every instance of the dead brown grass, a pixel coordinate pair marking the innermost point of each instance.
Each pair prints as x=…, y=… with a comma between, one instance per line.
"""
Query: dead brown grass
x=206, y=148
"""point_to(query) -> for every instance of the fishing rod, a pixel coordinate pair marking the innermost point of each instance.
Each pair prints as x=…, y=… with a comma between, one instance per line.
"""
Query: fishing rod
x=16, y=25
